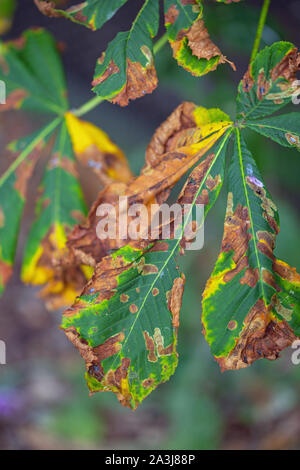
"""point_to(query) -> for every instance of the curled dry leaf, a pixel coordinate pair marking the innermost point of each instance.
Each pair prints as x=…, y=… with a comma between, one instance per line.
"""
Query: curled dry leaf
x=158, y=176
x=192, y=46
x=263, y=336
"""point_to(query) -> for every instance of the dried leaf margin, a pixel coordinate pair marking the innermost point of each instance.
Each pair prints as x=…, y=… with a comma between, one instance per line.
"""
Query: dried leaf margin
x=126, y=70
x=190, y=41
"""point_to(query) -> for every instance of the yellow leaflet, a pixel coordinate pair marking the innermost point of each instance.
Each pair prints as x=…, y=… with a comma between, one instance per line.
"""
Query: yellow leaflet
x=214, y=130
x=67, y=293
x=5, y=24
x=33, y=274
x=84, y=134
x=205, y=116
x=58, y=237
x=37, y=275
x=88, y=271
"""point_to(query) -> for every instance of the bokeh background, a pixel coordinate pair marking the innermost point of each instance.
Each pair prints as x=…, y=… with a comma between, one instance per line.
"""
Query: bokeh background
x=44, y=402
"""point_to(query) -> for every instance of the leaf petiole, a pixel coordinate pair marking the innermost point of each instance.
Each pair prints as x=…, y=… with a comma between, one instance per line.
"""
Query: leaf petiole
x=260, y=27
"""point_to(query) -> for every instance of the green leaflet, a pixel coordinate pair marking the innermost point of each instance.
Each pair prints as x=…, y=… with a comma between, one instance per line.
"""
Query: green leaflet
x=247, y=285
x=7, y=10
x=269, y=82
x=134, y=327
x=126, y=70
x=91, y=13
x=34, y=79
x=180, y=17
x=13, y=186
x=126, y=314
x=189, y=39
x=33, y=74
x=59, y=208
x=283, y=129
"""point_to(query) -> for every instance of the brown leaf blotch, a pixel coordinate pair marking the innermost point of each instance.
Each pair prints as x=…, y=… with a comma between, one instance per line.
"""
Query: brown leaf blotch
x=147, y=383
x=262, y=337
x=133, y=308
x=175, y=299
x=124, y=298
x=232, y=325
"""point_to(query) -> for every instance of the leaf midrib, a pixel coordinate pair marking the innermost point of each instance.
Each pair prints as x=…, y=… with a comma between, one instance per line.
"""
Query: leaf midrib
x=137, y=315
x=250, y=213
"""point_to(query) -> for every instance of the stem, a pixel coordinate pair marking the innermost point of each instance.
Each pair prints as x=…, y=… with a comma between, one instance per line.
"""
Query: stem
x=260, y=27
x=91, y=104
x=160, y=43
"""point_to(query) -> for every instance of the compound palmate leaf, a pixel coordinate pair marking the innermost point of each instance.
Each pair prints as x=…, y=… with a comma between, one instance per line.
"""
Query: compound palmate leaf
x=192, y=47
x=32, y=71
x=90, y=13
x=125, y=322
x=270, y=81
x=251, y=302
x=126, y=70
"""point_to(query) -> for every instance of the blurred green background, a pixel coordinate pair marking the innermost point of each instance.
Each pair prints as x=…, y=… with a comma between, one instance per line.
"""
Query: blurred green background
x=44, y=402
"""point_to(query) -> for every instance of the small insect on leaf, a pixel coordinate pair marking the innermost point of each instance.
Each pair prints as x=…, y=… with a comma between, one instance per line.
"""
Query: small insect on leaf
x=187, y=134
x=192, y=46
